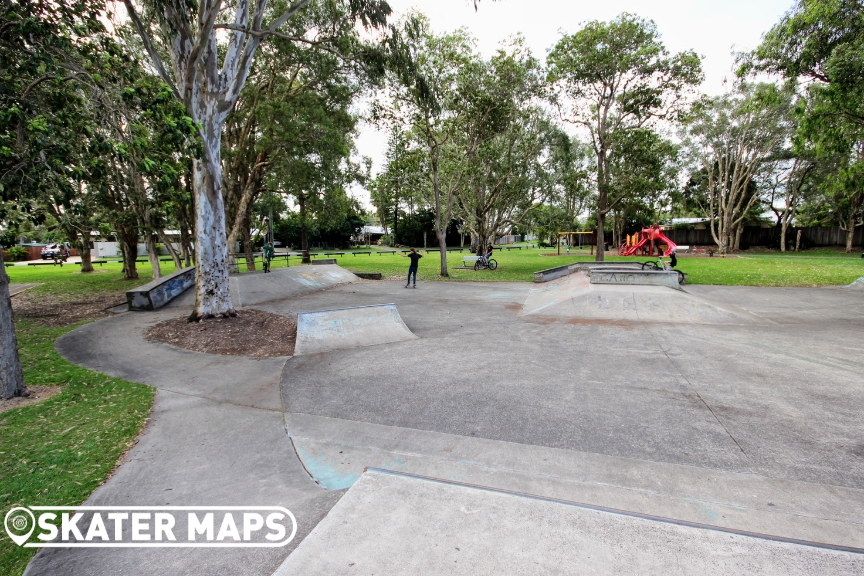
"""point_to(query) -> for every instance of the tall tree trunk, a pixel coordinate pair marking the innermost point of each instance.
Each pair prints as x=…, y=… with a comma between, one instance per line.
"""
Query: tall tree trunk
x=11, y=375
x=129, y=248
x=783, y=227
x=602, y=205
x=248, y=249
x=152, y=256
x=84, y=252
x=168, y=246
x=304, y=238
x=212, y=295
x=850, y=231
x=441, y=213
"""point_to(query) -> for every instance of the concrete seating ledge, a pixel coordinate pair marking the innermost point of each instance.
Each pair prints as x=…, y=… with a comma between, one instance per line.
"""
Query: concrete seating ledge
x=566, y=269
x=159, y=292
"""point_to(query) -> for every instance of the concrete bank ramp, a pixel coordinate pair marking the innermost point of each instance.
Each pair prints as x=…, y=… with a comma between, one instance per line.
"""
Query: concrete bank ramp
x=324, y=330
x=252, y=288
x=575, y=297
x=857, y=284
x=389, y=523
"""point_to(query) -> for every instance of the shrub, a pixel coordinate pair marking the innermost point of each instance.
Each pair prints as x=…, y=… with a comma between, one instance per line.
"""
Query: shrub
x=17, y=253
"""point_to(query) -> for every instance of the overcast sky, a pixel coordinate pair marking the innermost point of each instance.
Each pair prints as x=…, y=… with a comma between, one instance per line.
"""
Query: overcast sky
x=713, y=28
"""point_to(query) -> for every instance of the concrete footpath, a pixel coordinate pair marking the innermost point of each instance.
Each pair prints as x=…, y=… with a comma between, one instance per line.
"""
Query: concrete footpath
x=215, y=437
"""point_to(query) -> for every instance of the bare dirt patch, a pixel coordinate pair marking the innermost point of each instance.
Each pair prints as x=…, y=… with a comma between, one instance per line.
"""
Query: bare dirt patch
x=65, y=309
x=253, y=333
x=37, y=394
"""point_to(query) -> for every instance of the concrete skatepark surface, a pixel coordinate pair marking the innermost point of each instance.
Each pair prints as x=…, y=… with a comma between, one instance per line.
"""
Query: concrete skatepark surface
x=751, y=422
x=449, y=528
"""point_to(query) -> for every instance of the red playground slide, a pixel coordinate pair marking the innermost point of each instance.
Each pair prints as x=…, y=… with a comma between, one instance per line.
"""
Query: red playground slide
x=645, y=243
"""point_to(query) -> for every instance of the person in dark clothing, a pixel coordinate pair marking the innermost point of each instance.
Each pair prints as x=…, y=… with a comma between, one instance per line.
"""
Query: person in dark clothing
x=268, y=256
x=412, y=269
x=673, y=259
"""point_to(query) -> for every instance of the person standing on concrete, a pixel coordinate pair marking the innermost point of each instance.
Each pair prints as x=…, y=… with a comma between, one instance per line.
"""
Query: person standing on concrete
x=412, y=269
x=268, y=256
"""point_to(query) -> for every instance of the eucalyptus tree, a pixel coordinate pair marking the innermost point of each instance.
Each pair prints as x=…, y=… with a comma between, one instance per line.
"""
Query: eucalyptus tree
x=509, y=177
x=730, y=137
x=643, y=177
x=434, y=112
x=569, y=167
x=212, y=46
x=786, y=184
x=331, y=62
x=613, y=77
x=820, y=44
x=454, y=103
x=401, y=181
x=51, y=55
x=503, y=148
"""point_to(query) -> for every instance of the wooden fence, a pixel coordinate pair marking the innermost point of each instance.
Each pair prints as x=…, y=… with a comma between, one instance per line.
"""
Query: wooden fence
x=770, y=237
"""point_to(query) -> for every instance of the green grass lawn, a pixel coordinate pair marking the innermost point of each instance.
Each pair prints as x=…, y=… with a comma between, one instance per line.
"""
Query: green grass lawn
x=816, y=268
x=812, y=268
x=56, y=452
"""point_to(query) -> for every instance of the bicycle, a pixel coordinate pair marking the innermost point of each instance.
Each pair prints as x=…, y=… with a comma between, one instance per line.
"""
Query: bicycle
x=656, y=267
x=482, y=263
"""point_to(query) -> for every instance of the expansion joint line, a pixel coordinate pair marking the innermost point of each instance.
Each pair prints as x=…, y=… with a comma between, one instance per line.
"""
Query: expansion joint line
x=692, y=387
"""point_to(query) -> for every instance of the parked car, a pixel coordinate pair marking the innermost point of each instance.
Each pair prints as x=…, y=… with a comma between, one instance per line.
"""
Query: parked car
x=55, y=250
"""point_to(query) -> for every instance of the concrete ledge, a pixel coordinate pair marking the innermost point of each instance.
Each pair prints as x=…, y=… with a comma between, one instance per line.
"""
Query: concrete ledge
x=566, y=269
x=159, y=292
x=632, y=277
x=368, y=275
x=324, y=261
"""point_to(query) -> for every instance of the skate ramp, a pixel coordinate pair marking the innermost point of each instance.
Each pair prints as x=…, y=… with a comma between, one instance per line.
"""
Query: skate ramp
x=857, y=284
x=325, y=330
x=575, y=297
x=555, y=292
x=389, y=523
x=253, y=288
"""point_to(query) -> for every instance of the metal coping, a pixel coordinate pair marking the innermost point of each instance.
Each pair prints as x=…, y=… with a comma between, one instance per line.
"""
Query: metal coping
x=348, y=308
x=629, y=513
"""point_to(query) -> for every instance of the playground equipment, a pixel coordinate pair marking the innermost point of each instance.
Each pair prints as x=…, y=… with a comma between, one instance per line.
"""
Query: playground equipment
x=645, y=241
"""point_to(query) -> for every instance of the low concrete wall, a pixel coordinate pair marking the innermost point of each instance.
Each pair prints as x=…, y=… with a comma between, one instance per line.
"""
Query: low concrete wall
x=159, y=292
x=632, y=277
x=559, y=271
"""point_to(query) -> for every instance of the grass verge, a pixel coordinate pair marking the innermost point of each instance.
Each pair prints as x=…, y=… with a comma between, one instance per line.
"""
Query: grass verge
x=58, y=451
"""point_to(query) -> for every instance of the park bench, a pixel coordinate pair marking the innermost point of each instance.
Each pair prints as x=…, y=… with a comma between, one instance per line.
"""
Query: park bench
x=386, y=252
x=514, y=248
x=455, y=249
x=362, y=252
x=684, y=248
x=100, y=262
x=470, y=260
x=334, y=253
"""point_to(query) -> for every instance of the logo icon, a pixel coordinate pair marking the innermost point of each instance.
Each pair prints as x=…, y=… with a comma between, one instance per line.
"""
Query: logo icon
x=20, y=523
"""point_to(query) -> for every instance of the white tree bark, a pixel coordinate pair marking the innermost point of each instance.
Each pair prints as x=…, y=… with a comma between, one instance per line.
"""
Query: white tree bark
x=209, y=91
x=11, y=375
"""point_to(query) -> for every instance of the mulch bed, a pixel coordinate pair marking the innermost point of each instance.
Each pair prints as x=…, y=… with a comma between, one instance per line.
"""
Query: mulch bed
x=53, y=310
x=37, y=394
x=253, y=333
